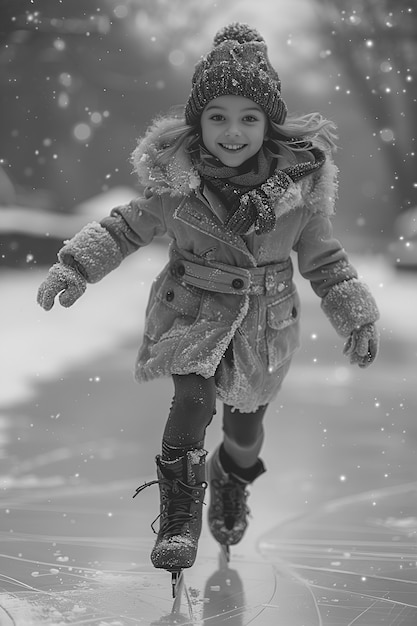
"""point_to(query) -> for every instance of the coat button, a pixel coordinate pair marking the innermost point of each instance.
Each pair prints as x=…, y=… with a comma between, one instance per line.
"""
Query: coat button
x=237, y=283
x=169, y=296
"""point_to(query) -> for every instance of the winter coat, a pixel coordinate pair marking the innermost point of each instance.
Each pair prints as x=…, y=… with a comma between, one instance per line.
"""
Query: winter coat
x=225, y=305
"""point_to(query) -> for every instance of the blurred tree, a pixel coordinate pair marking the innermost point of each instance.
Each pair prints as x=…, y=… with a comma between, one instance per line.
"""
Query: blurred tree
x=375, y=42
x=78, y=82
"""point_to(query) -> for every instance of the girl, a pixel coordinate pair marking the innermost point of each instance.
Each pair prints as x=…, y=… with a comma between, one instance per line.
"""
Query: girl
x=237, y=185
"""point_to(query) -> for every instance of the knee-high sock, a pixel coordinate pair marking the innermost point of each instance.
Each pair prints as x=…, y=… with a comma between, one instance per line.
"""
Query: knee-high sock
x=244, y=456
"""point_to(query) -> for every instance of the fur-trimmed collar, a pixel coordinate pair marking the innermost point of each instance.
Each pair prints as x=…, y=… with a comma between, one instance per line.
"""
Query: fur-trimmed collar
x=180, y=178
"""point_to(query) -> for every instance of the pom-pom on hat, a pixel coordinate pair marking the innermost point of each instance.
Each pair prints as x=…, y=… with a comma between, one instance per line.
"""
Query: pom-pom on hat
x=237, y=65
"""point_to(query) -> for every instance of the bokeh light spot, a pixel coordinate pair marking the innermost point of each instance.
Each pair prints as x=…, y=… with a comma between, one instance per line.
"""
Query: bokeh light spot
x=82, y=132
x=176, y=57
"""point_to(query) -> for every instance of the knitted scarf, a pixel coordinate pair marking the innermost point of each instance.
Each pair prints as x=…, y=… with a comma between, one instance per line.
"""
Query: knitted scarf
x=244, y=190
x=250, y=191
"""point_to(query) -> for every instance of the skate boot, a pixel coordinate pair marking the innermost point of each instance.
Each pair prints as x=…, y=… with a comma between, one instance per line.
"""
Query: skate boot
x=228, y=511
x=182, y=487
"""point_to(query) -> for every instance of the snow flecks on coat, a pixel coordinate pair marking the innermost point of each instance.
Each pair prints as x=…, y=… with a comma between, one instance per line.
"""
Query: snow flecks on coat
x=349, y=305
x=94, y=250
x=323, y=194
x=195, y=348
x=236, y=389
x=292, y=198
x=221, y=346
x=233, y=391
x=317, y=193
x=178, y=178
x=339, y=269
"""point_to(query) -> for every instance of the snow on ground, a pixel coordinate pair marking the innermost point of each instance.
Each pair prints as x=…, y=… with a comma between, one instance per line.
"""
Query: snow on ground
x=38, y=345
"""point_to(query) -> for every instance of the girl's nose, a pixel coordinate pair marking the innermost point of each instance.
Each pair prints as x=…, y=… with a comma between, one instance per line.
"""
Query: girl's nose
x=233, y=131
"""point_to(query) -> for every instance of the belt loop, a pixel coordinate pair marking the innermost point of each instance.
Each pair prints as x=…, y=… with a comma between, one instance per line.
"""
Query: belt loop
x=278, y=278
x=270, y=281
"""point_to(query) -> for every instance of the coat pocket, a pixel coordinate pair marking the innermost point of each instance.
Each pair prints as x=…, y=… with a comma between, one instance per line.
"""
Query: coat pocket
x=173, y=307
x=282, y=329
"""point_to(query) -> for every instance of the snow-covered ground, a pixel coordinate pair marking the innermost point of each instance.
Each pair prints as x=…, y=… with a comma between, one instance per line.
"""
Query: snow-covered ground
x=37, y=345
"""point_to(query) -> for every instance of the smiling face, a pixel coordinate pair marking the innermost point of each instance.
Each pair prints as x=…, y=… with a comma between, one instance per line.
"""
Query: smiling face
x=233, y=129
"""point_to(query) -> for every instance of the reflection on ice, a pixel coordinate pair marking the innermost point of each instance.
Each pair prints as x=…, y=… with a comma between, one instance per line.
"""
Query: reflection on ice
x=357, y=556
x=224, y=597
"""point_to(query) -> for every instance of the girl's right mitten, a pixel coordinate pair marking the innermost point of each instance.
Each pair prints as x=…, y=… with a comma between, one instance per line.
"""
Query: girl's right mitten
x=64, y=280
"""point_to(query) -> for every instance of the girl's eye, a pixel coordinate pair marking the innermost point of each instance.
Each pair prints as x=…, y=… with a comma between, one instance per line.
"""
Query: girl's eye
x=217, y=117
x=250, y=118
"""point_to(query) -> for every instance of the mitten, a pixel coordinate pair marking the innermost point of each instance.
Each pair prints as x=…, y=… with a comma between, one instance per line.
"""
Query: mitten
x=349, y=305
x=64, y=280
x=362, y=345
x=94, y=250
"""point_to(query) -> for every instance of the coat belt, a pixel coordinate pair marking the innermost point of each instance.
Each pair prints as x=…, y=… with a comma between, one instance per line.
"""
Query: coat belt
x=222, y=278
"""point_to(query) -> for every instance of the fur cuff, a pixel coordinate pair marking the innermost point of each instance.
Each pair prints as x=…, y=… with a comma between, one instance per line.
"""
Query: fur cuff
x=349, y=305
x=94, y=251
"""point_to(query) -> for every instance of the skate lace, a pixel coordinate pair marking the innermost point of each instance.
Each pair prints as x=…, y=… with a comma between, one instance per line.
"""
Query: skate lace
x=233, y=497
x=178, y=511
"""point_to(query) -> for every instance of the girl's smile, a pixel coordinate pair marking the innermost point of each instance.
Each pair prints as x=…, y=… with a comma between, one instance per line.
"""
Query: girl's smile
x=233, y=129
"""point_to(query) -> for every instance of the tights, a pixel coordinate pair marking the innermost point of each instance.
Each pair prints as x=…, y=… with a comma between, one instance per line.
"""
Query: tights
x=192, y=410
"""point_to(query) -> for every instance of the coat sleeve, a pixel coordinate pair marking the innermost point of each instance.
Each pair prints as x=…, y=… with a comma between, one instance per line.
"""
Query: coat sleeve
x=134, y=225
x=346, y=301
x=321, y=258
x=99, y=248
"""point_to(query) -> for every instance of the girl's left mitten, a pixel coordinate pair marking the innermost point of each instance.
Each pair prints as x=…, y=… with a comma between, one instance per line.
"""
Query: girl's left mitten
x=63, y=280
x=362, y=345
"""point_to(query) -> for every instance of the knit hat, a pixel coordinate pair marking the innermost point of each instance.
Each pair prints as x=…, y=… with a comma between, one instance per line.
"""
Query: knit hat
x=238, y=65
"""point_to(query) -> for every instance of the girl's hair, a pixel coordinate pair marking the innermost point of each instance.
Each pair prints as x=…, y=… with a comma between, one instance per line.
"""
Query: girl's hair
x=179, y=135
x=297, y=134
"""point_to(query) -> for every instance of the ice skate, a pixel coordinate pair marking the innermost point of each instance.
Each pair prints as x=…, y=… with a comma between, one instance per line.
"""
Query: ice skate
x=182, y=487
x=228, y=510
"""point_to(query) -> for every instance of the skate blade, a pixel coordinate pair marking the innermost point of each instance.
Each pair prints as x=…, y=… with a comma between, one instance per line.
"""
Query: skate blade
x=177, y=581
x=225, y=554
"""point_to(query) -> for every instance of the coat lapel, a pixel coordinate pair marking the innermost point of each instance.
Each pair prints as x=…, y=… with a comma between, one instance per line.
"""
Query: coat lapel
x=213, y=202
x=189, y=214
